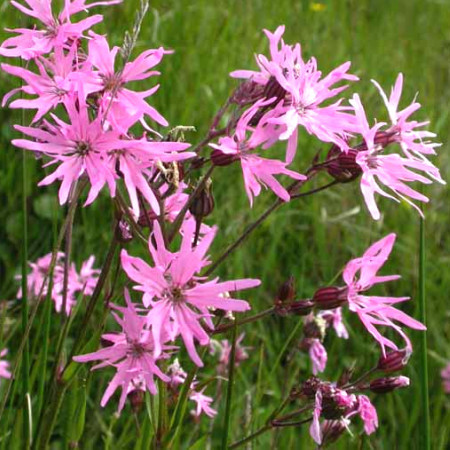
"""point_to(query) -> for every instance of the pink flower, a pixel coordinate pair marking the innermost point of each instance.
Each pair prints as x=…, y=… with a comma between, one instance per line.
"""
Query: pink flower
x=368, y=414
x=318, y=355
x=56, y=32
x=83, y=282
x=257, y=171
x=392, y=171
x=405, y=133
x=135, y=161
x=131, y=353
x=225, y=352
x=4, y=365
x=126, y=107
x=305, y=91
x=333, y=317
x=203, y=404
x=176, y=373
x=360, y=275
x=179, y=299
x=445, y=374
x=88, y=276
x=57, y=80
x=81, y=147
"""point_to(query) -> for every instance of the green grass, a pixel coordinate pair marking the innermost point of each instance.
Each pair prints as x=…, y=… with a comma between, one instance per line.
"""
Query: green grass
x=311, y=238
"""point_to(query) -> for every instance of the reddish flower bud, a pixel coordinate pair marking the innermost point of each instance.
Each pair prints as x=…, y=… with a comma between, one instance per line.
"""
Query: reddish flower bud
x=394, y=361
x=343, y=166
x=220, y=158
x=287, y=290
x=246, y=93
x=310, y=386
x=388, y=384
x=330, y=297
x=136, y=399
x=300, y=307
x=384, y=138
x=203, y=203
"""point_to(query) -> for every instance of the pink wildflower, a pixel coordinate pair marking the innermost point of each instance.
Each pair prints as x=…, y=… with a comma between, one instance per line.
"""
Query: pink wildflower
x=203, y=404
x=318, y=355
x=56, y=81
x=405, y=133
x=257, y=171
x=305, y=91
x=333, y=317
x=4, y=365
x=390, y=170
x=178, y=298
x=56, y=32
x=125, y=106
x=360, y=274
x=131, y=353
x=445, y=374
x=176, y=373
x=225, y=352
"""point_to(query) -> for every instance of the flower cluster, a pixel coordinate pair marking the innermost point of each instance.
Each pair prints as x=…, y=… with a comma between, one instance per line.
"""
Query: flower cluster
x=96, y=130
x=77, y=283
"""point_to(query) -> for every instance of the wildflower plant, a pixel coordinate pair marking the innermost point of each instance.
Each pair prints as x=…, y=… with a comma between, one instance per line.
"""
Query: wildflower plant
x=92, y=130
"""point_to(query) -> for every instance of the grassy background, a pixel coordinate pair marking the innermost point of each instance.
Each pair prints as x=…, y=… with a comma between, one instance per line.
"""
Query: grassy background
x=311, y=239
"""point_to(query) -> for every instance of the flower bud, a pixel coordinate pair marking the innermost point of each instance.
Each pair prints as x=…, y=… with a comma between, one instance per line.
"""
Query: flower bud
x=384, y=138
x=343, y=166
x=220, y=158
x=388, y=384
x=136, y=399
x=123, y=232
x=300, y=307
x=394, y=361
x=330, y=297
x=246, y=93
x=287, y=290
x=310, y=386
x=203, y=203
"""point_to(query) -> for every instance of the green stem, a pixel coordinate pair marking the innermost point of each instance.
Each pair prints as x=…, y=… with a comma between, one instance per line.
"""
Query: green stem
x=251, y=436
x=231, y=367
x=180, y=217
x=425, y=423
x=238, y=323
x=25, y=309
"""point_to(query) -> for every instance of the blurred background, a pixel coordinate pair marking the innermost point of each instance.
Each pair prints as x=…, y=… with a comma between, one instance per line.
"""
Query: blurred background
x=310, y=238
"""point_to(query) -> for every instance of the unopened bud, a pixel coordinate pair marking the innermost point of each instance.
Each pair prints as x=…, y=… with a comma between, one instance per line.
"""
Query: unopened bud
x=310, y=386
x=203, y=203
x=342, y=165
x=220, y=158
x=136, y=399
x=385, y=138
x=330, y=297
x=246, y=93
x=123, y=232
x=388, y=384
x=394, y=361
x=300, y=307
x=287, y=290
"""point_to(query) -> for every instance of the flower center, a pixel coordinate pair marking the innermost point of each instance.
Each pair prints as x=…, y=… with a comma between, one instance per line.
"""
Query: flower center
x=82, y=148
